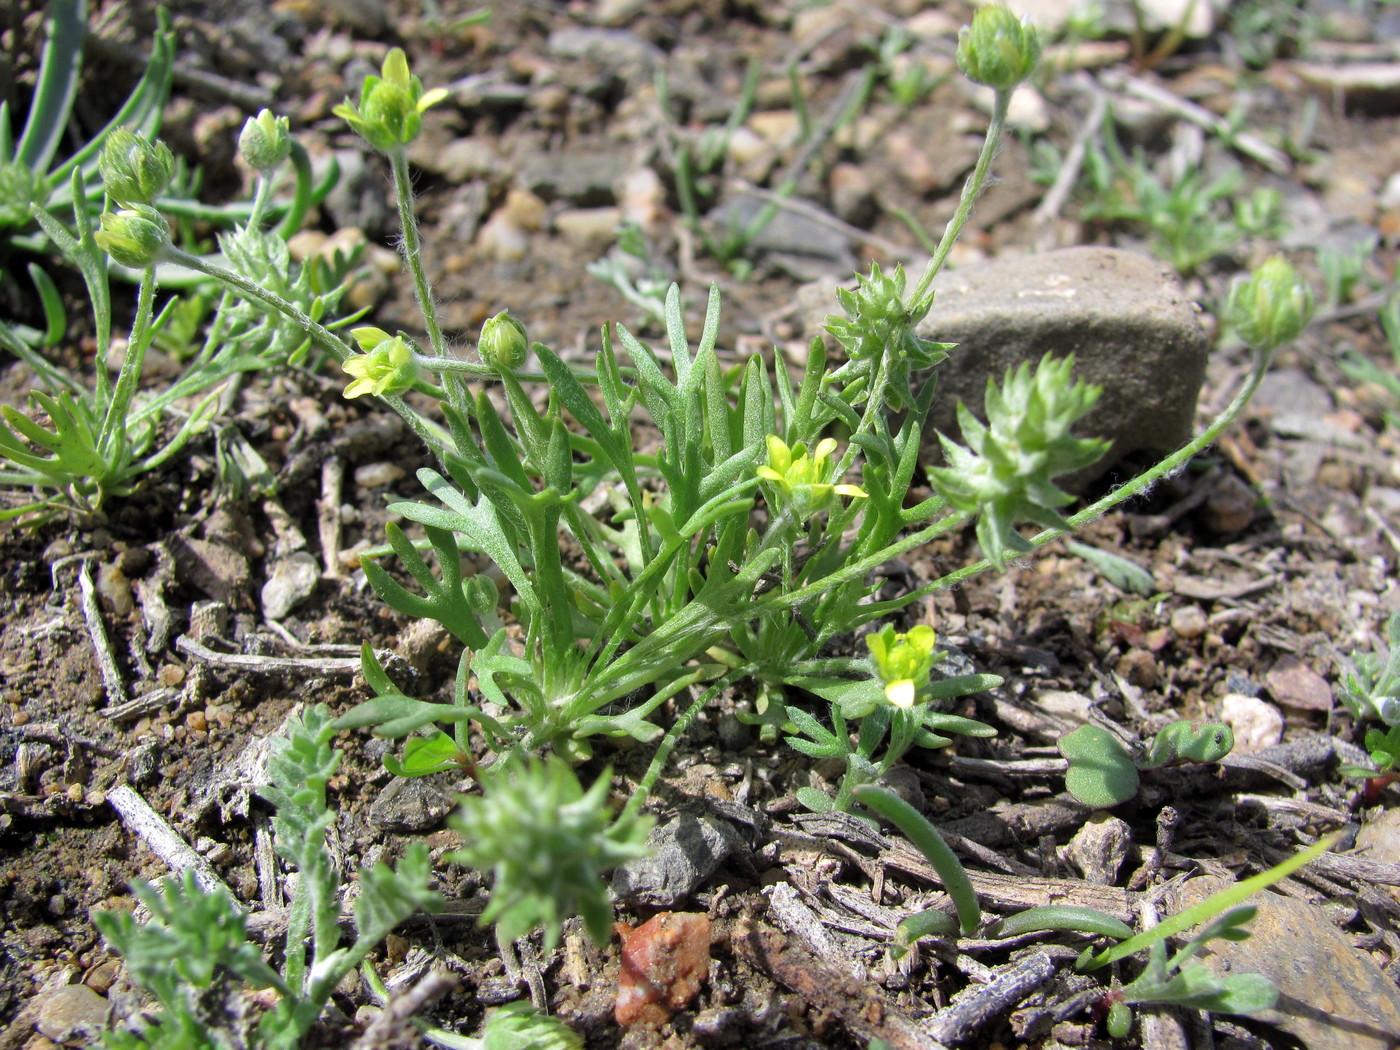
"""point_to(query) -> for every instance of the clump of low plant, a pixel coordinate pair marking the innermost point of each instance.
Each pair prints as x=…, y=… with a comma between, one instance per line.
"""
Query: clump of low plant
x=737, y=554
x=1371, y=692
x=1103, y=771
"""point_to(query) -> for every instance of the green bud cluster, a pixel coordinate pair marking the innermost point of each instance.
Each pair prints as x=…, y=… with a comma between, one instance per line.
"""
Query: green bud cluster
x=135, y=170
x=388, y=365
x=390, y=113
x=503, y=343
x=1005, y=472
x=1270, y=306
x=878, y=326
x=265, y=141
x=134, y=236
x=998, y=49
x=20, y=188
x=547, y=843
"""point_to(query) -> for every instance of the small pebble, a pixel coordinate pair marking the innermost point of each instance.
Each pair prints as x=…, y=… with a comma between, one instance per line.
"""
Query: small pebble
x=1189, y=621
x=1257, y=724
x=502, y=238
x=1099, y=848
x=291, y=582
x=377, y=475
x=1230, y=506
x=1294, y=684
x=102, y=976
x=588, y=227
x=197, y=721
x=1139, y=667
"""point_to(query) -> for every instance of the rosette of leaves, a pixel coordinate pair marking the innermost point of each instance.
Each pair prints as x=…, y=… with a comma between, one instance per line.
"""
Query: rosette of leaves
x=546, y=842
x=1005, y=473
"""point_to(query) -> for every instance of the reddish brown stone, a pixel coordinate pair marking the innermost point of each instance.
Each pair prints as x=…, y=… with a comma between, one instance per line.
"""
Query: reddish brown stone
x=664, y=962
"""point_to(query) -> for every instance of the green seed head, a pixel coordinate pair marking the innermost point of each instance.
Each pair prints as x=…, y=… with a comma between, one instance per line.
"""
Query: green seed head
x=134, y=236
x=998, y=49
x=1270, y=306
x=503, y=343
x=265, y=141
x=134, y=170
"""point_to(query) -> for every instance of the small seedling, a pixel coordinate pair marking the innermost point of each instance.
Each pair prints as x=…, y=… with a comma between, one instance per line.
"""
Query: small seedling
x=1104, y=772
x=194, y=956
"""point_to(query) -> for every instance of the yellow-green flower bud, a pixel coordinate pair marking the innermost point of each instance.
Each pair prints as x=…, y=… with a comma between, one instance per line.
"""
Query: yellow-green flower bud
x=998, y=49
x=1270, y=306
x=20, y=187
x=265, y=141
x=388, y=366
x=503, y=343
x=391, y=107
x=134, y=236
x=134, y=170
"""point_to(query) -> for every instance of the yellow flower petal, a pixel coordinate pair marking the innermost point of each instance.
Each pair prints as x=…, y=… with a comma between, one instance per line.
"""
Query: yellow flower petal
x=900, y=693
x=360, y=386
x=854, y=491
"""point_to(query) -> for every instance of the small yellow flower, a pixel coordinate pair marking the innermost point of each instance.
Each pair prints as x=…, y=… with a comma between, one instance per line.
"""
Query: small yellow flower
x=903, y=661
x=803, y=477
x=387, y=367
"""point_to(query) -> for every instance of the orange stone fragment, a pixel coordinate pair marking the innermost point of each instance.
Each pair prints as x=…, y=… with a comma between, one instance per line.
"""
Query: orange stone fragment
x=664, y=962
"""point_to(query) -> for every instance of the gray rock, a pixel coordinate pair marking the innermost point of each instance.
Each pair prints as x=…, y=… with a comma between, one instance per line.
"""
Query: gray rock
x=413, y=804
x=1332, y=996
x=791, y=231
x=219, y=571
x=616, y=50
x=586, y=181
x=686, y=851
x=72, y=1014
x=1099, y=848
x=291, y=581
x=1123, y=316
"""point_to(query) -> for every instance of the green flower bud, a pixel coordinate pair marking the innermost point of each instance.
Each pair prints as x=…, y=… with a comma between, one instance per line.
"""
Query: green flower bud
x=265, y=141
x=134, y=236
x=390, y=114
x=388, y=366
x=20, y=187
x=1270, y=306
x=998, y=49
x=134, y=170
x=503, y=343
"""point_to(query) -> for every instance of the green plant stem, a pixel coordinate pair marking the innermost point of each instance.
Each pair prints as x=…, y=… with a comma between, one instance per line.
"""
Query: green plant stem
x=319, y=334
x=669, y=741
x=114, y=422
x=971, y=189
x=929, y=842
x=1215, y=904
x=413, y=249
